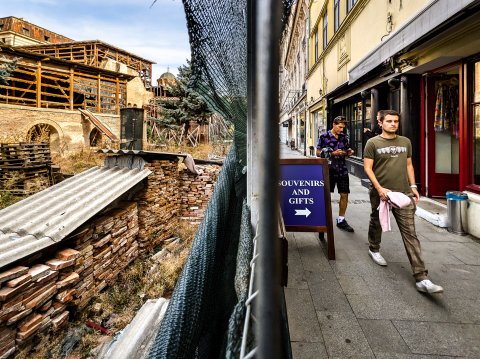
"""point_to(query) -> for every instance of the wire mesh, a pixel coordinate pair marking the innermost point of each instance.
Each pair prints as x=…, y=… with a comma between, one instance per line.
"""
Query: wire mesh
x=206, y=314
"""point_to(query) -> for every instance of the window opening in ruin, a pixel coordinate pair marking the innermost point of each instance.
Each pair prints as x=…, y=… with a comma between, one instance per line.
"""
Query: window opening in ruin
x=47, y=38
x=26, y=31
x=43, y=132
x=95, y=138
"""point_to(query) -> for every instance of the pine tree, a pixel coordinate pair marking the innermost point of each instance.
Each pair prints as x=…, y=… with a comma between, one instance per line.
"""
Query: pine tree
x=185, y=105
x=6, y=70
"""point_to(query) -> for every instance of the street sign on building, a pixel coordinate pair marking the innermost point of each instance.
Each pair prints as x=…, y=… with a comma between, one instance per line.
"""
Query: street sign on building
x=305, y=198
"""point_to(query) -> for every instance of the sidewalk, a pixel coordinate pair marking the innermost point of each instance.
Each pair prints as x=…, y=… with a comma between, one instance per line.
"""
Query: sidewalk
x=353, y=308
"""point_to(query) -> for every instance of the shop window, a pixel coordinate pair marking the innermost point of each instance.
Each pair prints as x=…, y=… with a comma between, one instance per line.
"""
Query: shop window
x=356, y=140
x=446, y=124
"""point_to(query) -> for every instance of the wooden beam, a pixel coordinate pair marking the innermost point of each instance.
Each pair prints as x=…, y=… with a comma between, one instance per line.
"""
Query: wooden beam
x=117, y=97
x=39, y=83
x=71, y=88
x=98, y=94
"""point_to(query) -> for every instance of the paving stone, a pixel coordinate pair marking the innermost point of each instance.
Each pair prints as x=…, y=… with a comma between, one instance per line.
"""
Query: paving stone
x=302, y=321
x=305, y=350
x=440, y=235
x=353, y=285
x=383, y=337
x=296, y=275
x=407, y=356
x=441, y=338
x=327, y=294
x=343, y=336
x=311, y=253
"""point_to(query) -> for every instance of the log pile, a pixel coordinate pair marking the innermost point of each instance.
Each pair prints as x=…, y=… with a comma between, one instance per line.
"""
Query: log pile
x=158, y=204
x=106, y=247
x=195, y=191
x=34, y=299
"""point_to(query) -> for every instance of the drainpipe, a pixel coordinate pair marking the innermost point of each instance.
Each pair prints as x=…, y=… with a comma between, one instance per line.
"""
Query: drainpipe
x=375, y=106
x=405, y=122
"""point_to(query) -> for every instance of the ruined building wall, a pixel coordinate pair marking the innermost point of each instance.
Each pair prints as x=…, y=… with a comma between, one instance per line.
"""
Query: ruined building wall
x=72, y=131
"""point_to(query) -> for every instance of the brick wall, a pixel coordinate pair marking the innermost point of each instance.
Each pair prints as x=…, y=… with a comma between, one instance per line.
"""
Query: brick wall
x=195, y=192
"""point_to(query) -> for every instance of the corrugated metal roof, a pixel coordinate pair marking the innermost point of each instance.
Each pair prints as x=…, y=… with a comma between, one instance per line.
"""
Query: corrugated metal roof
x=49, y=216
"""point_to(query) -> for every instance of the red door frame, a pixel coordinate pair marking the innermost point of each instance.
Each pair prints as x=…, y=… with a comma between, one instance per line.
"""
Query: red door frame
x=465, y=128
x=465, y=132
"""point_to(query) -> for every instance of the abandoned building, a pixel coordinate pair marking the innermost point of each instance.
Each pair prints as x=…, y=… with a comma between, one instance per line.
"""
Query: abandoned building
x=70, y=91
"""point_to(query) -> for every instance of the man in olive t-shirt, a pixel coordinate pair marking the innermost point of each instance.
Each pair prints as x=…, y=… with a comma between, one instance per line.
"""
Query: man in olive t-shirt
x=388, y=165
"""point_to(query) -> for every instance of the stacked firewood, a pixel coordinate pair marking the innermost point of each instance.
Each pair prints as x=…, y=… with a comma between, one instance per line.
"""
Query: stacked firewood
x=34, y=299
x=158, y=204
x=106, y=247
x=195, y=191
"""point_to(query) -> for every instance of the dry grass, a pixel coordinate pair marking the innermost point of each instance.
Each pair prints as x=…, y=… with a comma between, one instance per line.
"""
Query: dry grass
x=78, y=162
x=202, y=151
x=116, y=306
x=7, y=198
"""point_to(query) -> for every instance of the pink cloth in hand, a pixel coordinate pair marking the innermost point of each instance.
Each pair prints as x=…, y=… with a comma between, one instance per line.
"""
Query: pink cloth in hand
x=395, y=199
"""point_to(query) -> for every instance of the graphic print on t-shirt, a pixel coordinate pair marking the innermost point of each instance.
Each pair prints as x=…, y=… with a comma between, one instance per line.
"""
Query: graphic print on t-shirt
x=393, y=150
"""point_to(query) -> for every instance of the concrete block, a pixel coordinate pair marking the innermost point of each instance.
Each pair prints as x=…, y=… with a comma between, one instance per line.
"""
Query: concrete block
x=136, y=336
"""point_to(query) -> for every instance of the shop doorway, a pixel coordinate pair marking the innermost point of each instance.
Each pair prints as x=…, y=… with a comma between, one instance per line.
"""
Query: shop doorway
x=442, y=122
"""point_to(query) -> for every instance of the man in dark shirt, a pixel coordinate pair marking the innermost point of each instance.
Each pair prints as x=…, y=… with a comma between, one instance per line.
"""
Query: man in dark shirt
x=334, y=145
x=377, y=129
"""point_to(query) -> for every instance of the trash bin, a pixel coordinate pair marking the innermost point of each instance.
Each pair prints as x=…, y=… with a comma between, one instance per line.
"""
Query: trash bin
x=457, y=212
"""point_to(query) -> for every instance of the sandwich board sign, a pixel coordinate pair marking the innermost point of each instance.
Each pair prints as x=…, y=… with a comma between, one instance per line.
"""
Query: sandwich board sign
x=305, y=198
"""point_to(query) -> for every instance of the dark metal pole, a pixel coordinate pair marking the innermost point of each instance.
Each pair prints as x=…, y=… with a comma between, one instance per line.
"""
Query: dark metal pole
x=268, y=310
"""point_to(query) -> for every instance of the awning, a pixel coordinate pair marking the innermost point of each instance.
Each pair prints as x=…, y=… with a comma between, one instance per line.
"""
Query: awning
x=427, y=20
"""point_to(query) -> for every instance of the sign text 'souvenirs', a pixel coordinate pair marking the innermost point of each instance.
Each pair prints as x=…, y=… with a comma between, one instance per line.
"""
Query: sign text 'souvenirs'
x=301, y=195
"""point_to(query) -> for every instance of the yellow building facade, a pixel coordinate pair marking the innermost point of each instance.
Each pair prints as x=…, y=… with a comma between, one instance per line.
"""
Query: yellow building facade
x=416, y=57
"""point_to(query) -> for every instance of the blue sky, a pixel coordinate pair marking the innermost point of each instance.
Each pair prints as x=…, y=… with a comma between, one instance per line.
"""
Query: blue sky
x=157, y=33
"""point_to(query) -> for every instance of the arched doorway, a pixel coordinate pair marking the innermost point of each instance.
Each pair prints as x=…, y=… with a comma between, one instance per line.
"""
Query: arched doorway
x=43, y=132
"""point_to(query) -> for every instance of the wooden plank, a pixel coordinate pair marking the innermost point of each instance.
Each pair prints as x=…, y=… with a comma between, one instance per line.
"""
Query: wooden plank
x=39, y=83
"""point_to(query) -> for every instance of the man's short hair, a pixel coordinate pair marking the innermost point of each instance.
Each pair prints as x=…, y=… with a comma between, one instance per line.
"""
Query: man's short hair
x=339, y=119
x=384, y=113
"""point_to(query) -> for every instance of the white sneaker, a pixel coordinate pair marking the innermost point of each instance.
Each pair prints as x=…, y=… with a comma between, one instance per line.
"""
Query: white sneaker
x=377, y=258
x=426, y=286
